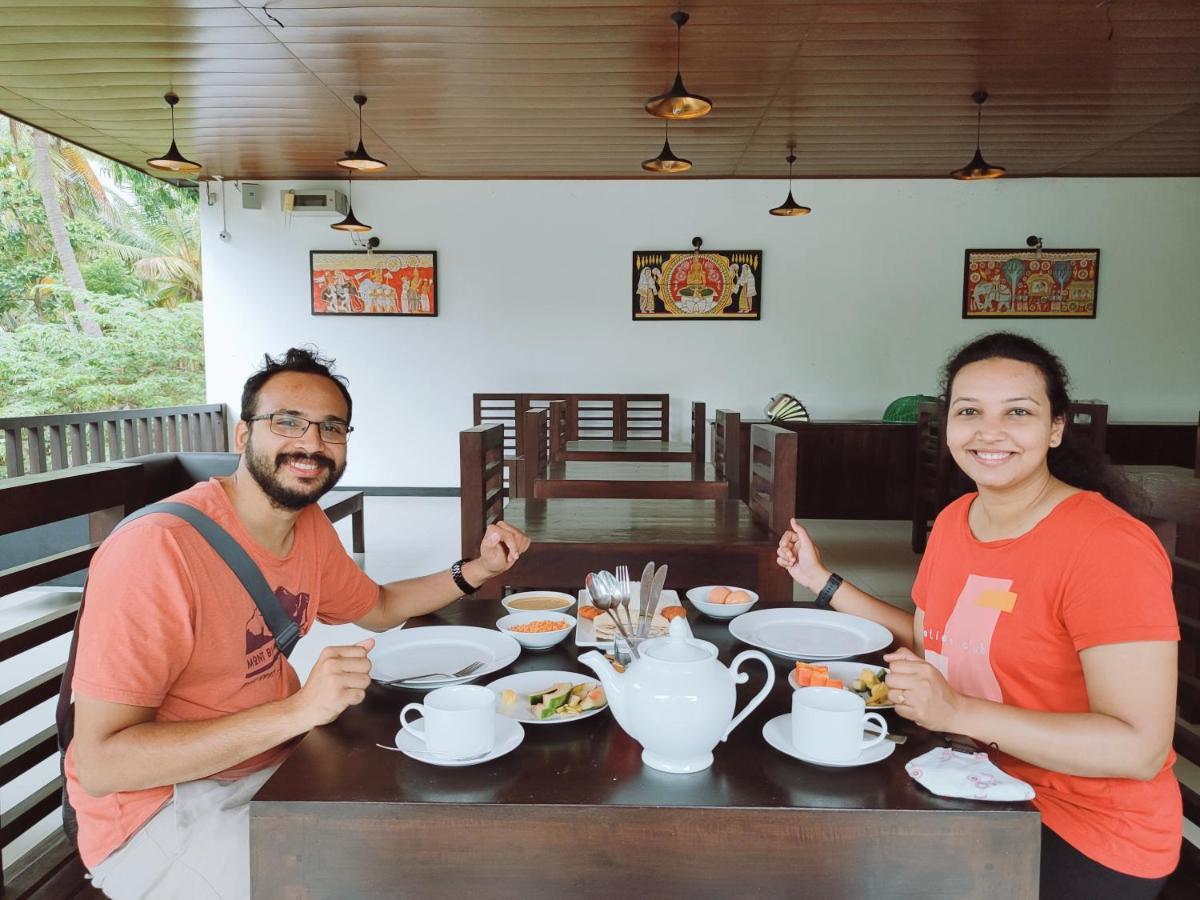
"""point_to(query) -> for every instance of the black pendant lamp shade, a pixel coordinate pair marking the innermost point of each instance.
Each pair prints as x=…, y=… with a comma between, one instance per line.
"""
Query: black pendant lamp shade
x=790, y=207
x=678, y=102
x=978, y=168
x=173, y=160
x=350, y=223
x=360, y=160
x=667, y=161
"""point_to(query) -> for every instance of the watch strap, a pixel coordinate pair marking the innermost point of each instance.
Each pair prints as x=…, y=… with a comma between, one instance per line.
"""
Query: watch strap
x=457, y=574
x=825, y=598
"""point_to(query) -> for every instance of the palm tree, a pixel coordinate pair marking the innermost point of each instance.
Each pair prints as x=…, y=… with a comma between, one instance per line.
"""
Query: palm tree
x=164, y=248
x=56, y=221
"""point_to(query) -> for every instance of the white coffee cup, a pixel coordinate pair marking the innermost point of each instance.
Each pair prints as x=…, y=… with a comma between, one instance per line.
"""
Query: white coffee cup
x=827, y=723
x=456, y=721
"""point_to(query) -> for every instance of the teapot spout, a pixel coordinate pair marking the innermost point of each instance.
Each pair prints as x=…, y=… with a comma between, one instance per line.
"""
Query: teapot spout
x=614, y=688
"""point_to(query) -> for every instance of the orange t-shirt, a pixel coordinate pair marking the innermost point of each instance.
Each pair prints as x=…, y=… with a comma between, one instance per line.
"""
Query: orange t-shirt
x=1006, y=621
x=168, y=625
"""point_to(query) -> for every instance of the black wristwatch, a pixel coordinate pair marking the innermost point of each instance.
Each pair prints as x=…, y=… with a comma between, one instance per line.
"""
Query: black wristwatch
x=825, y=598
x=463, y=585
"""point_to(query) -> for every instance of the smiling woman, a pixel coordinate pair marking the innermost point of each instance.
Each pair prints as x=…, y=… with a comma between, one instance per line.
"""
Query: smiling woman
x=1037, y=595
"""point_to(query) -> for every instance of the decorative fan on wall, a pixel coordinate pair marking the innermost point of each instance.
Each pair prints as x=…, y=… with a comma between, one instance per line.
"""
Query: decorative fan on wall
x=786, y=408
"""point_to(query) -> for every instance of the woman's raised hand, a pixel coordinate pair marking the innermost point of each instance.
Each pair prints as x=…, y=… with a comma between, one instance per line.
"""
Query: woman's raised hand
x=800, y=556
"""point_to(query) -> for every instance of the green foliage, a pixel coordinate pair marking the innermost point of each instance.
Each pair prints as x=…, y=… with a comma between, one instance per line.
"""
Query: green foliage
x=137, y=242
x=148, y=356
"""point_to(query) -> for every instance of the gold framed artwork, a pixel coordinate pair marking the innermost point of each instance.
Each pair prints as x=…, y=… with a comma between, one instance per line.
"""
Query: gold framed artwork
x=375, y=283
x=720, y=285
x=1030, y=284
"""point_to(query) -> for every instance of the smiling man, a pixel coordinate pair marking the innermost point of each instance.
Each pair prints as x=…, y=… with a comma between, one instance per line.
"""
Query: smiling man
x=184, y=705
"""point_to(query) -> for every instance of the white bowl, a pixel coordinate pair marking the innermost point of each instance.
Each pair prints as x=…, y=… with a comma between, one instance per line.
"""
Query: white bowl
x=699, y=598
x=567, y=601
x=538, y=640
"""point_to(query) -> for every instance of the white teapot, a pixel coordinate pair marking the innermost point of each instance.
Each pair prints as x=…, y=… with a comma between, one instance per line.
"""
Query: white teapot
x=676, y=699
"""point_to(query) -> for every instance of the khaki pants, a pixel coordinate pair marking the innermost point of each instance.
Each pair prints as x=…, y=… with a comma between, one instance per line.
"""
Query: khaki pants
x=197, y=847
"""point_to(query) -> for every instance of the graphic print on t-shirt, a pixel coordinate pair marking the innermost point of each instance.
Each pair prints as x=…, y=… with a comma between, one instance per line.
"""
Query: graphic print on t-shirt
x=961, y=649
x=261, y=650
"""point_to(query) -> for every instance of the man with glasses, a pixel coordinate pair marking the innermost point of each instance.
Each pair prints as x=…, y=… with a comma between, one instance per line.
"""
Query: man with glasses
x=184, y=705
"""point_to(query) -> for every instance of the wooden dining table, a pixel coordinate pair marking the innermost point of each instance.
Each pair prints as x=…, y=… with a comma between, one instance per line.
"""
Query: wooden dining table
x=628, y=451
x=573, y=812
x=631, y=480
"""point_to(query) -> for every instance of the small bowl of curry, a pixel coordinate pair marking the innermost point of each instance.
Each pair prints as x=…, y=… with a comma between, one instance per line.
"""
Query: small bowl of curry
x=538, y=601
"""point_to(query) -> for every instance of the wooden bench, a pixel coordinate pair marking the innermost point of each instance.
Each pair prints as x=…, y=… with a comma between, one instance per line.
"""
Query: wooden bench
x=104, y=493
x=704, y=541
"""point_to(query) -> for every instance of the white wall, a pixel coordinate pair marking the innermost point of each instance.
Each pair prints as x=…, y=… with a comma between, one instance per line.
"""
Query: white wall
x=861, y=300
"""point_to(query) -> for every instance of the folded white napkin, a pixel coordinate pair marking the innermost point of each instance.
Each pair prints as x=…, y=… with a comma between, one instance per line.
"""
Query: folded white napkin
x=949, y=773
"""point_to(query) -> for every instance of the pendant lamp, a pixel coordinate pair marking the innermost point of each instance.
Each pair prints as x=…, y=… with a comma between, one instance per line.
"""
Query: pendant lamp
x=173, y=160
x=350, y=223
x=790, y=207
x=678, y=102
x=978, y=168
x=667, y=161
x=360, y=160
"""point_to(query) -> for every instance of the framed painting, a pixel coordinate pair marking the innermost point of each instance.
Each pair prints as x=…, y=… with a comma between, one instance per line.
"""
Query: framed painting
x=721, y=285
x=375, y=283
x=1030, y=284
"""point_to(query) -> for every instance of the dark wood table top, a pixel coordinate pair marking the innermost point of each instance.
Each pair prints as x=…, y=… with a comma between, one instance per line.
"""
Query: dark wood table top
x=627, y=471
x=724, y=523
x=632, y=451
x=593, y=762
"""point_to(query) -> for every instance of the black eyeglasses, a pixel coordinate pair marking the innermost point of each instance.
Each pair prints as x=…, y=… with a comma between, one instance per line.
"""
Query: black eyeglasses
x=287, y=425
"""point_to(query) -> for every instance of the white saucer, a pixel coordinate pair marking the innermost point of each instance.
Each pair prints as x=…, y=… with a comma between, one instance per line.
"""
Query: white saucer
x=778, y=733
x=509, y=735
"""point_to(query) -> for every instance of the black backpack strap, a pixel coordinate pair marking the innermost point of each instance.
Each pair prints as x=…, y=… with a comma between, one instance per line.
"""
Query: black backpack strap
x=285, y=631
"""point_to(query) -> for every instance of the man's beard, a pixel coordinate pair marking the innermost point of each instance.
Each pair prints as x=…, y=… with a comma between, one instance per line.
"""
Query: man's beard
x=282, y=496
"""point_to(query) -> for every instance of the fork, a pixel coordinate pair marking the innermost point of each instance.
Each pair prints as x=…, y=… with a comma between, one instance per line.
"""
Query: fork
x=464, y=671
x=623, y=584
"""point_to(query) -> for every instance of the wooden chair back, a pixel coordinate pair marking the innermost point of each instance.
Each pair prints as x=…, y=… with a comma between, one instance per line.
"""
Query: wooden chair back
x=727, y=451
x=557, y=410
x=1089, y=421
x=535, y=438
x=699, y=429
x=618, y=417
x=481, y=482
x=1186, y=587
x=772, y=486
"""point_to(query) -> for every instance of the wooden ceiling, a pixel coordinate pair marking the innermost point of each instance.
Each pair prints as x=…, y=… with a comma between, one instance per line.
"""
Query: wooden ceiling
x=554, y=88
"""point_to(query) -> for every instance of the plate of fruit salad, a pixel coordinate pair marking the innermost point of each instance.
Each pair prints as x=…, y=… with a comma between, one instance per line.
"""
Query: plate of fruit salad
x=546, y=697
x=869, y=682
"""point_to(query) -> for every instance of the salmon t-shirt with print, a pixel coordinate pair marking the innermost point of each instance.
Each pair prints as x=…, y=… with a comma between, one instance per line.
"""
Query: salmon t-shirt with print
x=1006, y=621
x=168, y=625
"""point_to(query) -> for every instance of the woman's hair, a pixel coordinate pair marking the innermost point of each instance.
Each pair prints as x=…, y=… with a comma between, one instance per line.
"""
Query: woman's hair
x=1074, y=461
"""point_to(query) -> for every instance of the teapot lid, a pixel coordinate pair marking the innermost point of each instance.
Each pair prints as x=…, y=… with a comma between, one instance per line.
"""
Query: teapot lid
x=679, y=645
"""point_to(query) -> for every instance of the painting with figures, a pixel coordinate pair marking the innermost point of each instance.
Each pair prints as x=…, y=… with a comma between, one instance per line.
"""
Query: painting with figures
x=689, y=284
x=1030, y=284
x=375, y=283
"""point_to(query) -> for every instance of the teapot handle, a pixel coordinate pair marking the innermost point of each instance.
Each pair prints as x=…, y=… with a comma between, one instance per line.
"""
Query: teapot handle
x=741, y=678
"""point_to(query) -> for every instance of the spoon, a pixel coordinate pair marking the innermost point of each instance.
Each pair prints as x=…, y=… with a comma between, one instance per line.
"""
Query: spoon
x=606, y=600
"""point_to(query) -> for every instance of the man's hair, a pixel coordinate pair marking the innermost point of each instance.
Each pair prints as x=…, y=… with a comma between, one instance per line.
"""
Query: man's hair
x=297, y=359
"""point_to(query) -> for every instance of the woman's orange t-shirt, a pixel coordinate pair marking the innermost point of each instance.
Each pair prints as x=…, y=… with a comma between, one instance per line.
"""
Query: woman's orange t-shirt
x=1006, y=621
x=168, y=625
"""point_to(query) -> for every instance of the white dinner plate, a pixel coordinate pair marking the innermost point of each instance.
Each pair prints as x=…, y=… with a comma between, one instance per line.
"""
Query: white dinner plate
x=400, y=653
x=523, y=683
x=778, y=733
x=847, y=672
x=585, y=630
x=509, y=735
x=813, y=635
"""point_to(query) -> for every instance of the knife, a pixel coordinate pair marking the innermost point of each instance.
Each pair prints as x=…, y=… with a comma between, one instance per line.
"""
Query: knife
x=644, y=595
x=651, y=607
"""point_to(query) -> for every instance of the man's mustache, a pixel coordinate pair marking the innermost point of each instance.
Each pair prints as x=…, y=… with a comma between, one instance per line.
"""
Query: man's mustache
x=319, y=458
